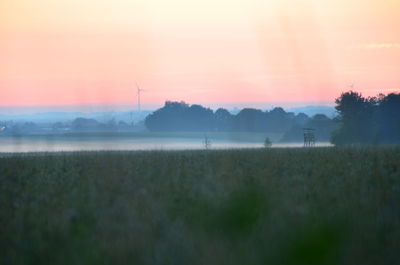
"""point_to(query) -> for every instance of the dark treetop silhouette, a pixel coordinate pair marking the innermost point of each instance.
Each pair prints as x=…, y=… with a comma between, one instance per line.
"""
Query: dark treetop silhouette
x=182, y=117
x=372, y=120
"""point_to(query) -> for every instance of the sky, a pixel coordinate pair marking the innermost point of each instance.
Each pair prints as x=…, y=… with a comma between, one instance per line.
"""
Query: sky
x=212, y=52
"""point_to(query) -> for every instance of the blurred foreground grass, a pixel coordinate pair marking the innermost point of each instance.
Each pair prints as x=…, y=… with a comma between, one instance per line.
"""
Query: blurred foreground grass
x=274, y=206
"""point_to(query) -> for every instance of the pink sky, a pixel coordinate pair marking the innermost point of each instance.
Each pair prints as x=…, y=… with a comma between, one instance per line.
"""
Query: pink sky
x=74, y=52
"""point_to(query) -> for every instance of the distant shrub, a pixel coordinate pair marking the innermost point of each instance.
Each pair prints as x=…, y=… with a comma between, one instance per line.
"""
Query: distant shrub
x=207, y=142
x=267, y=143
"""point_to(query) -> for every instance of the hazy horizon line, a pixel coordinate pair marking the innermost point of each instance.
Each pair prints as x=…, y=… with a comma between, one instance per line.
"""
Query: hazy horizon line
x=25, y=109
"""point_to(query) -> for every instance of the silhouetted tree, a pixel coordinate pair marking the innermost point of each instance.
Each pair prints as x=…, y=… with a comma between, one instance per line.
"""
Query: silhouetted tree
x=301, y=119
x=85, y=124
x=250, y=120
x=223, y=120
x=279, y=121
x=167, y=118
x=388, y=119
x=179, y=116
x=370, y=120
x=197, y=118
x=355, y=119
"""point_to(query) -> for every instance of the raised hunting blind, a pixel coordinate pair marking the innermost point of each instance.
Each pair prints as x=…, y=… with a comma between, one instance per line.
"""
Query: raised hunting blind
x=309, y=137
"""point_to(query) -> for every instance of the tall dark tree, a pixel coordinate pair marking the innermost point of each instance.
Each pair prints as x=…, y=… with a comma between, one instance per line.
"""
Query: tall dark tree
x=301, y=119
x=279, y=121
x=168, y=118
x=250, y=120
x=355, y=119
x=223, y=120
x=197, y=119
x=373, y=120
x=179, y=116
x=388, y=119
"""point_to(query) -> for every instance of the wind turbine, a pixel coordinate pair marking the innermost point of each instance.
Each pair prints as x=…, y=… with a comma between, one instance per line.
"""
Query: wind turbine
x=138, y=95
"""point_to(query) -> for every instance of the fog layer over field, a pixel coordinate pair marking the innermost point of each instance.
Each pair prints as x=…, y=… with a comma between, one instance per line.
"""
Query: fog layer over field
x=139, y=141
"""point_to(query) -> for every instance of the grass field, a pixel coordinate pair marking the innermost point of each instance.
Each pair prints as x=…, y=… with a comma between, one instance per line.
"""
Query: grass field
x=272, y=206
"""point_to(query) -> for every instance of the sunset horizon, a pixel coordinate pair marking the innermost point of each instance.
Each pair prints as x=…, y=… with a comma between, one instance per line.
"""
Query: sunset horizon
x=155, y=132
x=88, y=52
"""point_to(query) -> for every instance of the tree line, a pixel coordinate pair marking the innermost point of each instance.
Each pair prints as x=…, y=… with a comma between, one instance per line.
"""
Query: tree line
x=180, y=116
x=367, y=120
x=360, y=120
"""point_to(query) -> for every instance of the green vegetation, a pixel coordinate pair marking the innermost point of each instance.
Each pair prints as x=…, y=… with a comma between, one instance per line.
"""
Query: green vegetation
x=264, y=206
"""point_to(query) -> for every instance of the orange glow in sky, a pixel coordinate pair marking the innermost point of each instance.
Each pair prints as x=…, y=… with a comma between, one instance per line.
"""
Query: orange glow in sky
x=66, y=52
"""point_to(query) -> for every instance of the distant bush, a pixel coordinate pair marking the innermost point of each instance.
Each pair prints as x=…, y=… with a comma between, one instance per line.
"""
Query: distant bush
x=85, y=124
x=267, y=143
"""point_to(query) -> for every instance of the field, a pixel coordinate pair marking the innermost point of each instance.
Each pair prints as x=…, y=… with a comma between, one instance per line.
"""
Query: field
x=260, y=206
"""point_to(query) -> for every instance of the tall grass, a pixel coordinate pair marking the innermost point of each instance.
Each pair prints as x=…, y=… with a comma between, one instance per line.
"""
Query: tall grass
x=274, y=206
